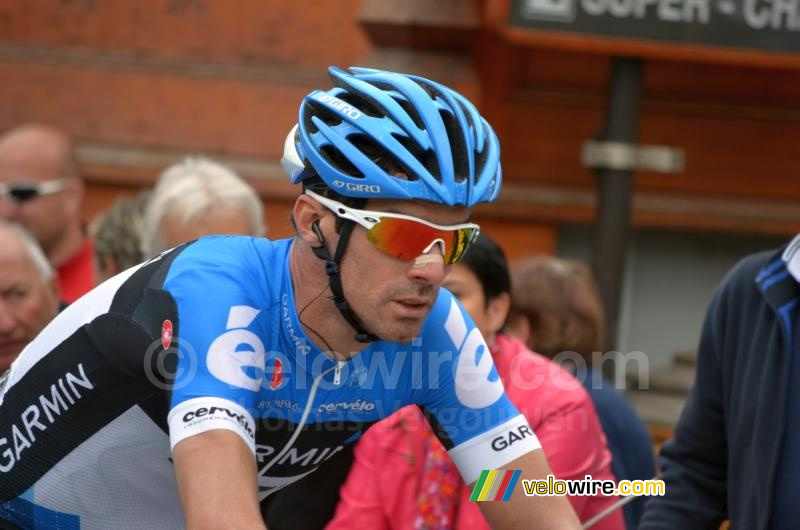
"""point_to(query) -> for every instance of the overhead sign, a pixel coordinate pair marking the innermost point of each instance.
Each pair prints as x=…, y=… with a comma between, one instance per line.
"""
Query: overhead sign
x=768, y=25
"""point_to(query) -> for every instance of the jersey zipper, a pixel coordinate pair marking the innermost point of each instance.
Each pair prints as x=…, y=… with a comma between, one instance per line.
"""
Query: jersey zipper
x=337, y=374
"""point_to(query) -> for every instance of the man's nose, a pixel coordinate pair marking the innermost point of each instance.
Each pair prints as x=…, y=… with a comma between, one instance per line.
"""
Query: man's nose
x=7, y=321
x=429, y=266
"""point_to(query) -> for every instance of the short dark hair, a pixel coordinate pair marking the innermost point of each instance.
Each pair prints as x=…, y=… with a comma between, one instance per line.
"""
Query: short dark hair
x=317, y=185
x=487, y=261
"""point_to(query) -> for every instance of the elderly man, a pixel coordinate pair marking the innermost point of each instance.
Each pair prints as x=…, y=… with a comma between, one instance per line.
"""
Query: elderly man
x=40, y=188
x=195, y=198
x=28, y=291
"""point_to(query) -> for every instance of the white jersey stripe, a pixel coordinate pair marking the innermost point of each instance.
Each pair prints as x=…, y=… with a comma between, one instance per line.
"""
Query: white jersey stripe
x=494, y=449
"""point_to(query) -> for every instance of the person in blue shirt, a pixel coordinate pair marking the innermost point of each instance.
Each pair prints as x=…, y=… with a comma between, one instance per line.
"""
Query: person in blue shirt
x=734, y=453
x=556, y=310
x=196, y=388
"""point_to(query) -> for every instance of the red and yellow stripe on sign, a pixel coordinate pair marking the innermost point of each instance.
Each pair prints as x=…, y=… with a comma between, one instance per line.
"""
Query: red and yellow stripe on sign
x=495, y=485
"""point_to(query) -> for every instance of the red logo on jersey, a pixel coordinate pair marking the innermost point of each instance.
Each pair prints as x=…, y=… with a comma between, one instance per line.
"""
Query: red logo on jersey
x=277, y=375
x=166, y=334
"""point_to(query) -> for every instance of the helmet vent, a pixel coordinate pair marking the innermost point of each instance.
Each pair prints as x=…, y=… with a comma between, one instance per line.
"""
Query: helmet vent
x=432, y=164
x=467, y=115
x=480, y=156
x=417, y=152
x=335, y=158
x=411, y=111
x=457, y=145
x=329, y=117
x=309, y=124
x=383, y=158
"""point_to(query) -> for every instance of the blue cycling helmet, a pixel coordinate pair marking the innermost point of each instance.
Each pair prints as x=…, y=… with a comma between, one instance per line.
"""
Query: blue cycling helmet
x=380, y=134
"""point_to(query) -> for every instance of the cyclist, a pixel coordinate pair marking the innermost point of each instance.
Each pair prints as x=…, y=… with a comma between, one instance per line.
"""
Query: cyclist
x=226, y=369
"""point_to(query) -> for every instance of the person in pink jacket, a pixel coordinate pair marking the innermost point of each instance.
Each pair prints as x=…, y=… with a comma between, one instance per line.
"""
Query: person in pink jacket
x=402, y=477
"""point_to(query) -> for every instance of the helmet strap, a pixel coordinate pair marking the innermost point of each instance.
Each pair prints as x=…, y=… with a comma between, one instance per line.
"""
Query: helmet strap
x=333, y=271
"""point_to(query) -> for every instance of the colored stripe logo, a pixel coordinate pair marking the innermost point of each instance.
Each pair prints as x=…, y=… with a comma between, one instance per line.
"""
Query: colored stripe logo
x=495, y=485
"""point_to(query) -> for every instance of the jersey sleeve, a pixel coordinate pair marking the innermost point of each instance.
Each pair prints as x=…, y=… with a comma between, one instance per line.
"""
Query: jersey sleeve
x=465, y=401
x=221, y=354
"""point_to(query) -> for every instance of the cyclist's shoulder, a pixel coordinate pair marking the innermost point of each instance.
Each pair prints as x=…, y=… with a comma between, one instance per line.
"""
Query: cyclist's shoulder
x=222, y=262
x=237, y=251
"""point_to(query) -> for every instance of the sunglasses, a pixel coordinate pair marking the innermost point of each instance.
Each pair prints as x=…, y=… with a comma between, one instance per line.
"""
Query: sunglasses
x=403, y=236
x=19, y=193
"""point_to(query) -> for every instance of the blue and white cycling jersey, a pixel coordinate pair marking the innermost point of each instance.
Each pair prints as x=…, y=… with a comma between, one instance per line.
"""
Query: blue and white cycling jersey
x=207, y=337
x=260, y=369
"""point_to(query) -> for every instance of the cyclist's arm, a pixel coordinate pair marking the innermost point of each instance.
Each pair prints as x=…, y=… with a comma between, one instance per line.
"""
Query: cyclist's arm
x=530, y=512
x=480, y=427
x=220, y=367
x=216, y=474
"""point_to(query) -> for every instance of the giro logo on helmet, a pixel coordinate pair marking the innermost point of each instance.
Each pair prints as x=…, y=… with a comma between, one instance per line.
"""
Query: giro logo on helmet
x=337, y=104
x=361, y=188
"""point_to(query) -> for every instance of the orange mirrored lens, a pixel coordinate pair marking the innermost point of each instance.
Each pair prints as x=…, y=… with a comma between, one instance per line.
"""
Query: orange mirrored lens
x=406, y=239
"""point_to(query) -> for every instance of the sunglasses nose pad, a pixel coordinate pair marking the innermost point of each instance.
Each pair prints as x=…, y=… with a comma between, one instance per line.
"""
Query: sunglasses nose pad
x=430, y=257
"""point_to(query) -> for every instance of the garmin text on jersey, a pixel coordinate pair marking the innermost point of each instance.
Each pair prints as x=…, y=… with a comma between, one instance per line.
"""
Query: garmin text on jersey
x=43, y=412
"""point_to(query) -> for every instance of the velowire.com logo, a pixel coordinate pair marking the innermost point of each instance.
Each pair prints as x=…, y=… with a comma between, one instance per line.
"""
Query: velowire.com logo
x=495, y=485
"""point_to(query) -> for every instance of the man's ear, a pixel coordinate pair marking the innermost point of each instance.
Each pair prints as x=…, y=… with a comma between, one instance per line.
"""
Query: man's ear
x=312, y=221
x=498, y=311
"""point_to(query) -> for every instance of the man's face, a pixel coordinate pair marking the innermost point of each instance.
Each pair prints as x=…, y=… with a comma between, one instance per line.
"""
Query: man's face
x=218, y=220
x=393, y=297
x=32, y=160
x=27, y=302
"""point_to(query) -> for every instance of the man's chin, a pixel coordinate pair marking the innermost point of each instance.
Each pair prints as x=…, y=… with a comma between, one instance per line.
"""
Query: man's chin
x=401, y=332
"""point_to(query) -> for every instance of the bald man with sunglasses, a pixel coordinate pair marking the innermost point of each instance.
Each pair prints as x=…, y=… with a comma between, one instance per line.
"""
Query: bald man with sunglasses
x=223, y=383
x=41, y=189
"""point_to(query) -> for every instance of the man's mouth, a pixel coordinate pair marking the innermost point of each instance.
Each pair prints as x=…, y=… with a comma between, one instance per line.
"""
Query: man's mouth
x=413, y=307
